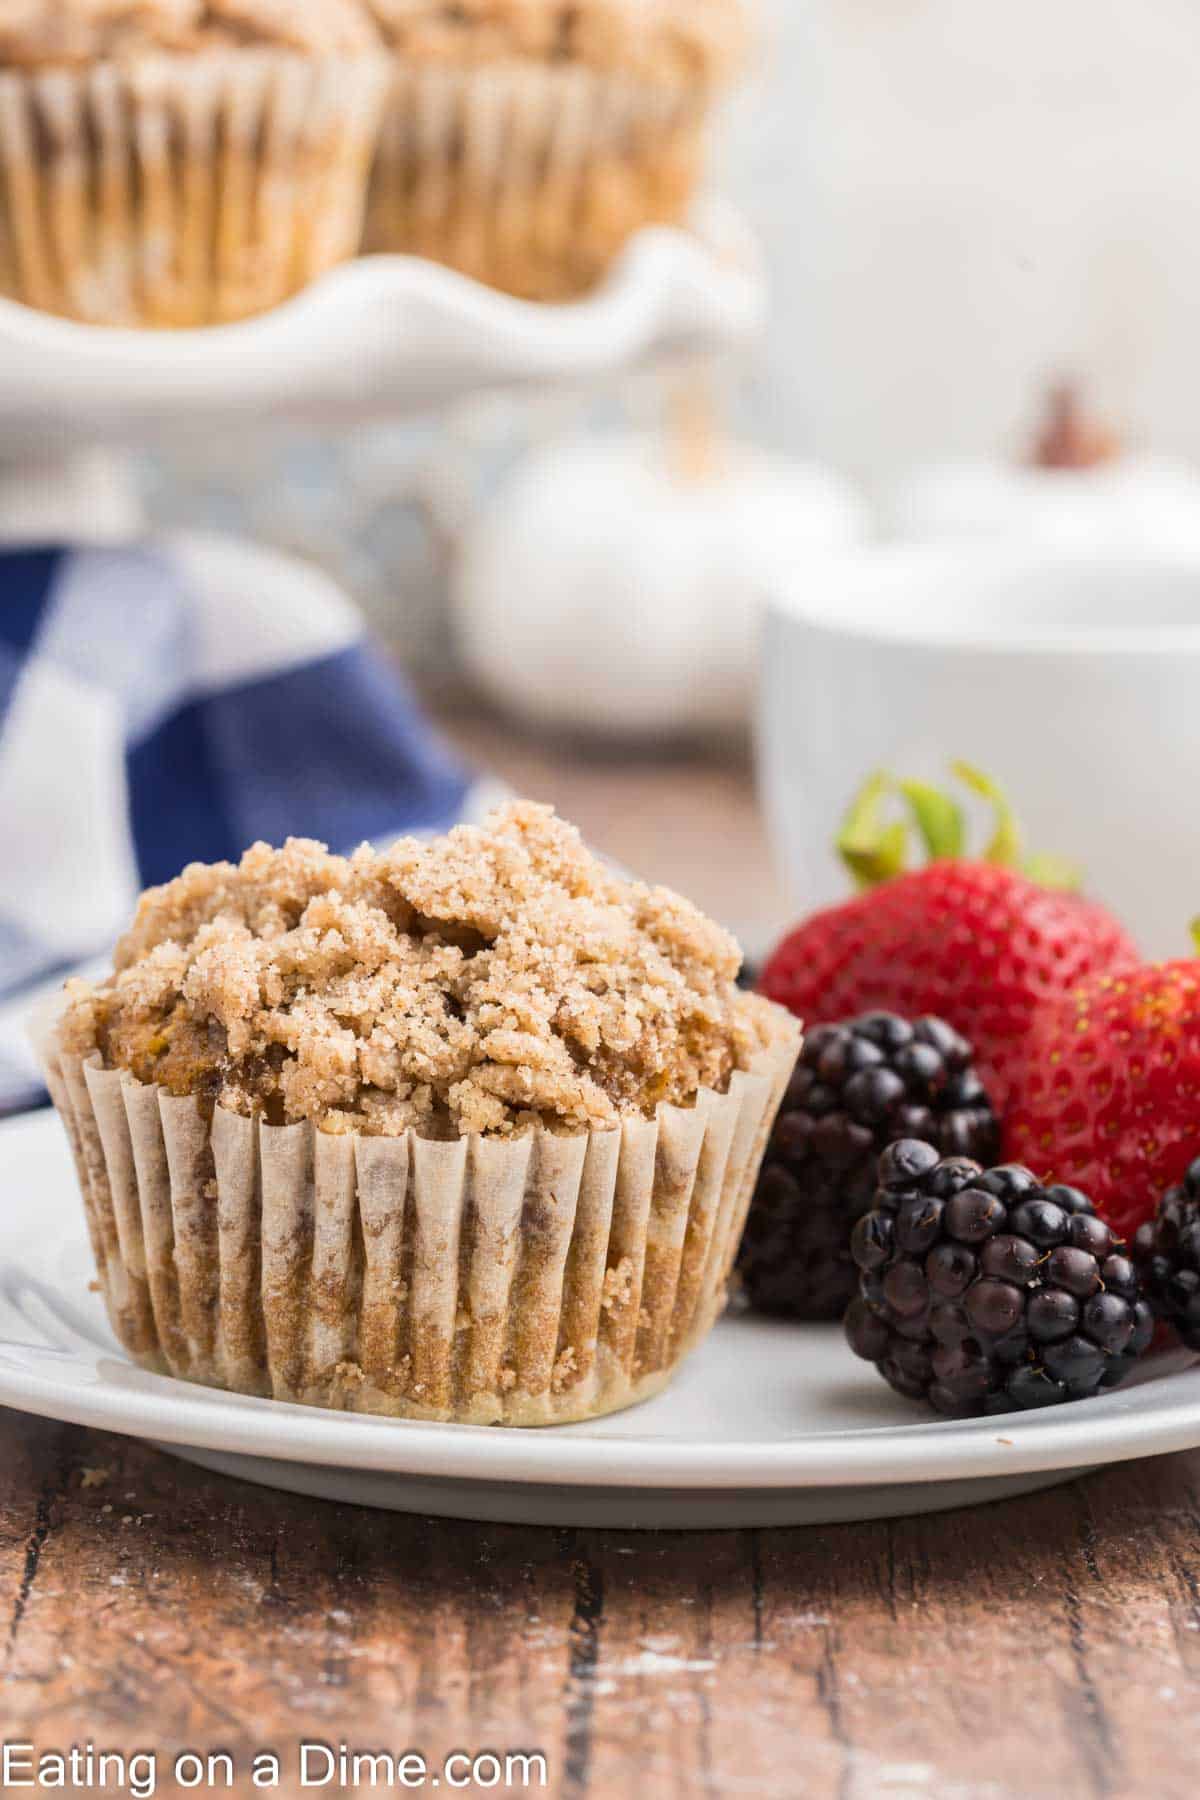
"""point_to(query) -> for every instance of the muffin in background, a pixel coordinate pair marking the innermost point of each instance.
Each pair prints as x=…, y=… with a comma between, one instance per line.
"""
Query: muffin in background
x=462, y=1130
x=182, y=162
x=525, y=141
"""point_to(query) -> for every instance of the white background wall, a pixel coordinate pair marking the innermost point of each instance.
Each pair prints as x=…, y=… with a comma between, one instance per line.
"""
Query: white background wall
x=959, y=197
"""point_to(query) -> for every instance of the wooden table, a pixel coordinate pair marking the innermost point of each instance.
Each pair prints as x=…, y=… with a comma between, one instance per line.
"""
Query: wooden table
x=1044, y=1647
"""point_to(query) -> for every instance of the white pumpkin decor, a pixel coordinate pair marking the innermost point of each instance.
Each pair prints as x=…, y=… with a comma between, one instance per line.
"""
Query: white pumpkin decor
x=1077, y=489
x=614, y=585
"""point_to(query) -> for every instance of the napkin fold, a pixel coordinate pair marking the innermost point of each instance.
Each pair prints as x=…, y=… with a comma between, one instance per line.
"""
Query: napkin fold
x=173, y=701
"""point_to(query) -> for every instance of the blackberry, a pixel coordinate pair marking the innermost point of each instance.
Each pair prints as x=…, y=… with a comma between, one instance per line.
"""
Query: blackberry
x=1167, y=1253
x=983, y=1292
x=857, y=1088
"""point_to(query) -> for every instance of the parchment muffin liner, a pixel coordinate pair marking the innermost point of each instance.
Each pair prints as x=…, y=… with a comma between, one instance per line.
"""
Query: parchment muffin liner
x=525, y=1281
x=531, y=177
x=180, y=190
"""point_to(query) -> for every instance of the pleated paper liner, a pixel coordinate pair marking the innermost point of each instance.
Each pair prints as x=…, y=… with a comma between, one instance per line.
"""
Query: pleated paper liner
x=523, y=1281
x=528, y=176
x=183, y=190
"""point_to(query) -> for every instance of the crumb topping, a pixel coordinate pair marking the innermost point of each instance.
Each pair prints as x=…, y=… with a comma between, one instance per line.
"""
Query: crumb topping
x=490, y=980
x=688, y=39
x=682, y=39
x=50, y=33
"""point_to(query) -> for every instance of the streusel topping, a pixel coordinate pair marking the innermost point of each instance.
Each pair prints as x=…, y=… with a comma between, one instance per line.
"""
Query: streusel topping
x=692, y=39
x=49, y=33
x=489, y=980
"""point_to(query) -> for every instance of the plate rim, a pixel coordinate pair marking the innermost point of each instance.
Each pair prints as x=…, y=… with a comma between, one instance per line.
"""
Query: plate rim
x=1118, y=1427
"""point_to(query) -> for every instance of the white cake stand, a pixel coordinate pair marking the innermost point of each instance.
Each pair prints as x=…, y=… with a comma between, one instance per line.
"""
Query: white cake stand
x=382, y=337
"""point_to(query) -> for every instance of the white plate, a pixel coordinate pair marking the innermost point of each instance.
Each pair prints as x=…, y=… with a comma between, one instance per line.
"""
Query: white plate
x=380, y=336
x=768, y=1423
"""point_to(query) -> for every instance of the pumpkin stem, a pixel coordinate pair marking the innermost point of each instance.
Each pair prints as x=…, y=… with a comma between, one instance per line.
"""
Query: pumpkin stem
x=694, y=440
x=1071, y=438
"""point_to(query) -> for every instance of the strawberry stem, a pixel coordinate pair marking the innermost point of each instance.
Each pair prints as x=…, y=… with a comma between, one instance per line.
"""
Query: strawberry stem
x=937, y=817
x=1005, y=847
x=871, y=849
x=875, y=850
x=1050, y=871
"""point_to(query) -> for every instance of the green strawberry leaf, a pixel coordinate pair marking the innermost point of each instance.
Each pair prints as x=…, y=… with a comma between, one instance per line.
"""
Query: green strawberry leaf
x=939, y=820
x=1005, y=847
x=1195, y=929
x=1056, y=872
x=874, y=850
x=871, y=849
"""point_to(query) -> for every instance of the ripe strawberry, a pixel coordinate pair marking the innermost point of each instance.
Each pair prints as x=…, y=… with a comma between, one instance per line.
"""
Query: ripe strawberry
x=977, y=943
x=1109, y=1097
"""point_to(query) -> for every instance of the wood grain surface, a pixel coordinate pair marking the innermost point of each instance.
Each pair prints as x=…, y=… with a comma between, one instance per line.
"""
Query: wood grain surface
x=1048, y=1646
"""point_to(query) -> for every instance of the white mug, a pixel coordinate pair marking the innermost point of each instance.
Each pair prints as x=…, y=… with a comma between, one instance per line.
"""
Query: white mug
x=1073, y=677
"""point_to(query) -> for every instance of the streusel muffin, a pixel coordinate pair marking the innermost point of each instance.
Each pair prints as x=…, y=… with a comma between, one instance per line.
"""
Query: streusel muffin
x=464, y=1130
x=182, y=162
x=527, y=140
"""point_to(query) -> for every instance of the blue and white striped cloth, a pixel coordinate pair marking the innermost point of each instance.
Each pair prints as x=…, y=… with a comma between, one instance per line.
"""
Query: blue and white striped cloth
x=174, y=701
